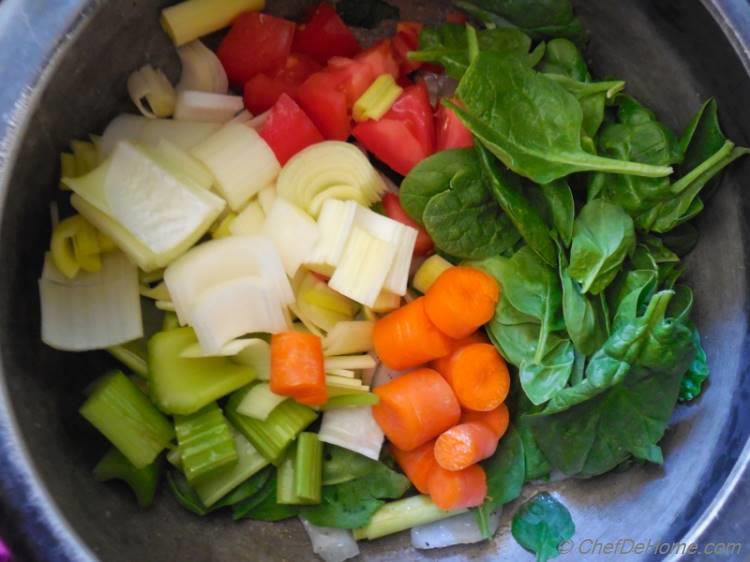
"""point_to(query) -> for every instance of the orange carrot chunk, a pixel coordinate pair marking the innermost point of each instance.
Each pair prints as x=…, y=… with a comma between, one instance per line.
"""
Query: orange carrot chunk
x=497, y=420
x=442, y=364
x=415, y=408
x=297, y=367
x=417, y=464
x=406, y=338
x=464, y=445
x=458, y=489
x=479, y=377
x=461, y=300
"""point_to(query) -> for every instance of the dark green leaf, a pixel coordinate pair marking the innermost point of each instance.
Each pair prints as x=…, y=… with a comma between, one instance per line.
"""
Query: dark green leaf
x=630, y=297
x=682, y=239
x=366, y=13
x=263, y=506
x=537, y=465
x=184, y=493
x=542, y=379
x=564, y=58
x=561, y=206
x=692, y=382
x=247, y=489
x=342, y=465
x=541, y=525
x=584, y=317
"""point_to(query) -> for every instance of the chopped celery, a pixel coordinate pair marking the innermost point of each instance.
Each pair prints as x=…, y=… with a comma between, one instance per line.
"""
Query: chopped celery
x=259, y=402
x=293, y=233
x=308, y=469
x=125, y=416
x=432, y=268
x=152, y=92
x=219, y=483
x=174, y=457
x=286, y=485
x=377, y=99
x=351, y=401
x=249, y=222
x=170, y=322
x=272, y=436
x=192, y=19
x=351, y=362
x=349, y=337
x=257, y=355
x=403, y=514
x=143, y=481
x=249, y=488
x=206, y=444
x=354, y=429
x=184, y=386
x=132, y=355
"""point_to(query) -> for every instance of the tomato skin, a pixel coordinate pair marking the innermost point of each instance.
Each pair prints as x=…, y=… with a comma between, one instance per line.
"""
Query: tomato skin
x=451, y=132
x=256, y=43
x=322, y=98
x=262, y=91
x=380, y=59
x=289, y=130
x=394, y=210
x=355, y=77
x=413, y=108
x=325, y=35
x=405, y=40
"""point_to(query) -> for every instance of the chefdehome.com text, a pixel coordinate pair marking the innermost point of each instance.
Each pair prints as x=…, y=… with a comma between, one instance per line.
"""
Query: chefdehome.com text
x=624, y=547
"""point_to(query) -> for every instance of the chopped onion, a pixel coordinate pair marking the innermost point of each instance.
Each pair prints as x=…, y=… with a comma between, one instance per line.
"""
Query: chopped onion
x=332, y=545
x=306, y=320
x=249, y=222
x=293, y=233
x=257, y=354
x=335, y=225
x=234, y=347
x=202, y=70
x=354, y=362
x=154, y=87
x=459, y=529
x=94, y=310
x=349, y=337
x=207, y=107
x=240, y=160
x=354, y=429
x=181, y=164
x=266, y=197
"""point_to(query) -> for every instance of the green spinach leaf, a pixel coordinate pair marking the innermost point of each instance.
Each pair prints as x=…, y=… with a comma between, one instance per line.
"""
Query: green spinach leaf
x=564, y=58
x=583, y=314
x=184, y=493
x=366, y=13
x=515, y=334
x=247, y=489
x=537, y=465
x=541, y=525
x=561, y=208
x=542, y=379
x=263, y=506
x=342, y=465
x=691, y=385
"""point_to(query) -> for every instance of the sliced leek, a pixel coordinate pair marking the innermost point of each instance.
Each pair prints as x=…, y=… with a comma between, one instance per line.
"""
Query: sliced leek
x=350, y=362
x=250, y=221
x=202, y=70
x=335, y=225
x=377, y=99
x=180, y=163
x=432, y=268
x=256, y=355
x=293, y=233
x=206, y=107
x=349, y=337
x=152, y=92
x=223, y=228
x=231, y=349
x=192, y=19
x=386, y=302
x=403, y=514
x=354, y=429
x=76, y=245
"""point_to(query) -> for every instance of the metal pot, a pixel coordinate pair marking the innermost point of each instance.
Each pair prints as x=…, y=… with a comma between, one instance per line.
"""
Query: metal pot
x=63, y=67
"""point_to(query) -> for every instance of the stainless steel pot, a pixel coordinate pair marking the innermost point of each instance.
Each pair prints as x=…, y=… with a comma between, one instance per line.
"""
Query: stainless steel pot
x=63, y=67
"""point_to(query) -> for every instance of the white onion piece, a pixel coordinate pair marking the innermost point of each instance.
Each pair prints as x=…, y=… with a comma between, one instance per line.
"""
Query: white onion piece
x=266, y=197
x=180, y=163
x=207, y=107
x=195, y=351
x=249, y=222
x=332, y=545
x=293, y=233
x=154, y=87
x=94, y=310
x=335, y=224
x=354, y=429
x=244, y=117
x=459, y=529
x=201, y=69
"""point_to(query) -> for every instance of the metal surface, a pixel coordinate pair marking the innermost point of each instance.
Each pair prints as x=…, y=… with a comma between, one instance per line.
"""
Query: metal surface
x=64, y=66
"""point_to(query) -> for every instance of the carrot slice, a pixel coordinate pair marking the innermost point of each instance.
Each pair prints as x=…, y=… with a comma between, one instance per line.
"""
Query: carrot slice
x=297, y=367
x=442, y=364
x=465, y=444
x=415, y=408
x=458, y=489
x=497, y=420
x=479, y=377
x=461, y=300
x=417, y=464
x=406, y=338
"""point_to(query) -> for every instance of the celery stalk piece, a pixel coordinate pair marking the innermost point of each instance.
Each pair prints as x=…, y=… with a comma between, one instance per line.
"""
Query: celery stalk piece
x=206, y=444
x=274, y=435
x=207, y=107
x=257, y=355
x=377, y=99
x=92, y=311
x=354, y=429
x=364, y=267
x=125, y=416
x=286, y=483
x=218, y=484
x=180, y=163
x=404, y=514
x=349, y=337
x=249, y=222
x=152, y=92
x=351, y=401
x=202, y=70
x=143, y=481
x=293, y=233
x=192, y=19
x=174, y=457
x=184, y=386
x=259, y=402
x=308, y=469
x=335, y=225
x=432, y=268
x=266, y=198
x=352, y=362
x=240, y=160
x=132, y=355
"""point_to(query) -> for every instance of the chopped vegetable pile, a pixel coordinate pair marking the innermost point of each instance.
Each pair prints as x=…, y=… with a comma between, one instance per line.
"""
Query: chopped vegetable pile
x=398, y=282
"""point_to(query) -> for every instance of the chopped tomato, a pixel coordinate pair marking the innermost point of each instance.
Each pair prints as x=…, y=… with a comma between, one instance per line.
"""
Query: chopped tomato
x=457, y=17
x=355, y=77
x=289, y=130
x=262, y=90
x=257, y=43
x=413, y=108
x=406, y=39
x=380, y=59
x=325, y=35
x=451, y=132
x=325, y=103
x=394, y=210
x=298, y=68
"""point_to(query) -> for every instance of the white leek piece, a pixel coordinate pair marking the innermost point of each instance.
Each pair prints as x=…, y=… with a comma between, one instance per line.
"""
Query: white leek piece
x=320, y=306
x=164, y=213
x=335, y=225
x=180, y=163
x=202, y=70
x=249, y=222
x=459, y=529
x=354, y=429
x=135, y=128
x=353, y=362
x=266, y=197
x=341, y=373
x=207, y=107
x=235, y=308
x=215, y=262
x=258, y=356
x=351, y=384
x=349, y=337
x=386, y=302
x=151, y=92
x=231, y=349
x=240, y=160
x=192, y=19
x=293, y=233
x=259, y=402
x=363, y=268
x=94, y=310
x=305, y=323
x=329, y=170
x=332, y=545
